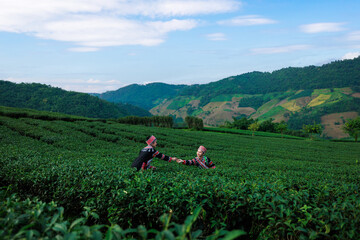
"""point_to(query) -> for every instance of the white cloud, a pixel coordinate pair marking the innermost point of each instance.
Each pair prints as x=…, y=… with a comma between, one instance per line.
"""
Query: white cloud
x=171, y=8
x=93, y=24
x=351, y=55
x=93, y=81
x=113, y=82
x=83, y=49
x=247, y=21
x=322, y=27
x=98, y=31
x=354, y=36
x=216, y=37
x=282, y=49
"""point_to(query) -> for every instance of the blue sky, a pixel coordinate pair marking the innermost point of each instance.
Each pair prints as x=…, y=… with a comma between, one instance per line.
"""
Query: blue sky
x=97, y=46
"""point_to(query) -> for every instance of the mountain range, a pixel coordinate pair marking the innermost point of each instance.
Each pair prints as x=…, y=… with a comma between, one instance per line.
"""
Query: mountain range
x=327, y=94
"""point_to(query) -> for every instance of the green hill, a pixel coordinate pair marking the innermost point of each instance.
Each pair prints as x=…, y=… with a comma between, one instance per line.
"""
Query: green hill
x=337, y=74
x=144, y=96
x=47, y=98
x=328, y=94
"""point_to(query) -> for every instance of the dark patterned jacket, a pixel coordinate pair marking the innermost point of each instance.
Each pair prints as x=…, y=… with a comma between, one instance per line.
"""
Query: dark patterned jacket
x=145, y=157
x=205, y=162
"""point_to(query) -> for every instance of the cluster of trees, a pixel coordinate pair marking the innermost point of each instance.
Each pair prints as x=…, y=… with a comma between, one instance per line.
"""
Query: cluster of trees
x=46, y=98
x=312, y=129
x=265, y=126
x=352, y=127
x=254, y=102
x=153, y=121
x=239, y=123
x=194, y=123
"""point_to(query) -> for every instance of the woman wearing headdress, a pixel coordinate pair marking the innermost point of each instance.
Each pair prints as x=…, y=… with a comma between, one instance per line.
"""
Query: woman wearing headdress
x=146, y=155
x=200, y=160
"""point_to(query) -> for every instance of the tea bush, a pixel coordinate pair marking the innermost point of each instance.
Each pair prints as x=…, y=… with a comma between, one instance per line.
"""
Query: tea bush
x=271, y=188
x=34, y=219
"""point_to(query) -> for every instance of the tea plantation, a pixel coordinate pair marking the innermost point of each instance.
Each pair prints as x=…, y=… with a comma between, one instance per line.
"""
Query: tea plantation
x=73, y=180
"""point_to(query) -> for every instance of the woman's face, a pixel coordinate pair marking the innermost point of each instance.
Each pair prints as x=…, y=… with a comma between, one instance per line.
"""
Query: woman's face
x=154, y=143
x=199, y=153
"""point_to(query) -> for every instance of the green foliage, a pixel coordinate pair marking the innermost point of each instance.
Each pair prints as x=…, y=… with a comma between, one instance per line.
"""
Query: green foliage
x=305, y=93
x=271, y=188
x=312, y=129
x=34, y=219
x=179, y=103
x=265, y=126
x=144, y=96
x=281, y=128
x=254, y=127
x=154, y=121
x=288, y=134
x=254, y=102
x=225, y=98
x=242, y=123
x=309, y=115
x=46, y=98
x=194, y=123
x=273, y=112
x=327, y=77
x=333, y=75
x=352, y=127
x=132, y=110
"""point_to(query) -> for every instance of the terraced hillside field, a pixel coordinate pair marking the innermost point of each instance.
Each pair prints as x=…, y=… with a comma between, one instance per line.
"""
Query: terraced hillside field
x=299, y=107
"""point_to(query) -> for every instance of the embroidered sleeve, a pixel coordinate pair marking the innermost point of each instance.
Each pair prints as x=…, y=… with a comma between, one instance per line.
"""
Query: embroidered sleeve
x=191, y=162
x=161, y=156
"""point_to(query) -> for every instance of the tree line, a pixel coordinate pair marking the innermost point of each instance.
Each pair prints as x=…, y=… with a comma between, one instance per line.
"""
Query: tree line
x=264, y=126
x=194, y=123
x=161, y=121
x=351, y=127
x=153, y=121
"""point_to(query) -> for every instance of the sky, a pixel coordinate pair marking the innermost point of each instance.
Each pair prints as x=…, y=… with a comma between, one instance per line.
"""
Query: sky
x=96, y=46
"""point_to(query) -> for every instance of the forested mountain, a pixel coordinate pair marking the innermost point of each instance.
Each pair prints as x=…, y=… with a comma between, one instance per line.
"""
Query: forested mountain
x=337, y=74
x=328, y=94
x=43, y=97
x=144, y=96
